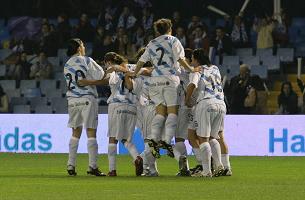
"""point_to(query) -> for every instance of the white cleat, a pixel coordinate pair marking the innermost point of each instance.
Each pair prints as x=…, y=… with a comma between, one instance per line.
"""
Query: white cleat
x=218, y=171
x=148, y=173
x=202, y=174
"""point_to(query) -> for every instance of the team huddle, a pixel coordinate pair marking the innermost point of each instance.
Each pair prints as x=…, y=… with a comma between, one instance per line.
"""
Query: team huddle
x=171, y=92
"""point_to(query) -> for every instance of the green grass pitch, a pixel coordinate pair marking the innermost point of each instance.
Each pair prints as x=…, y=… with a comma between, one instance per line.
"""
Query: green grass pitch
x=43, y=176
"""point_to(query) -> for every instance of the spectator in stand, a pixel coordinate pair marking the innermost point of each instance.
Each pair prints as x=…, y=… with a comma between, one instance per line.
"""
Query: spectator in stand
x=42, y=69
x=85, y=30
x=181, y=36
x=239, y=34
x=98, y=40
x=63, y=29
x=16, y=45
x=4, y=103
x=264, y=29
x=280, y=34
x=126, y=49
x=127, y=20
x=222, y=43
x=256, y=100
x=147, y=19
x=48, y=42
x=20, y=70
x=287, y=100
x=196, y=21
x=107, y=46
x=176, y=21
x=138, y=38
x=238, y=91
x=199, y=39
x=302, y=88
x=105, y=19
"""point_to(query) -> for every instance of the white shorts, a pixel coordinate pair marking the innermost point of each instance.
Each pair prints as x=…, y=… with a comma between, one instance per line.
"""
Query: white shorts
x=83, y=111
x=182, y=122
x=121, y=121
x=191, y=119
x=164, y=90
x=149, y=113
x=209, y=118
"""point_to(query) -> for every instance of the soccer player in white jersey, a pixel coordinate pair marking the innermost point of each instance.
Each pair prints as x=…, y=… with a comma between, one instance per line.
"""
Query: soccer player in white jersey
x=210, y=112
x=82, y=104
x=164, y=52
x=121, y=112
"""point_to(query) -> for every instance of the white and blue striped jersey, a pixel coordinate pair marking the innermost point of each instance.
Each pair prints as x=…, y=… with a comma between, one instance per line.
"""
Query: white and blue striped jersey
x=119, y=93
x=81, y=67
x=208, y=83
x=164, y=52
x=140, y=88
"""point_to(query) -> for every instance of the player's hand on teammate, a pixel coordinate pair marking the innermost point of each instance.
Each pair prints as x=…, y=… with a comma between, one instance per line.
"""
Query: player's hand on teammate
x=82, y=82
x=130, y=74
x=197, y=69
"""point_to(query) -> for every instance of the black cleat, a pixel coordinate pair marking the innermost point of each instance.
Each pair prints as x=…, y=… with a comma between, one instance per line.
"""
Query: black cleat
x=139, y=165
x=196, y=169
x=71, y=170
x=95, y=172
x=168, y=147
x=154, y=148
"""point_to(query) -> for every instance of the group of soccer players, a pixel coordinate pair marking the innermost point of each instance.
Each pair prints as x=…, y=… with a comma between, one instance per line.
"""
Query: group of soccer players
x=171, y=92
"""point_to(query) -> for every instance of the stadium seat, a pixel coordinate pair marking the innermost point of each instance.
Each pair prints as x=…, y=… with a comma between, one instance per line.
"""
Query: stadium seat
x=25, y=84
x=264, y=52
x=300, y=51
x=22, y=109
x=12, y=93
x=250, y=60
x=230, y=60
x=244, y=52
x=298, y=22
x=232, y=70
x=223, y=70
x=31, y=92
x=8, y=84
x=38, y=101
x=19, y=101
x=59, y=105
x=217, y=61
x=259, y=70
x=2, y=71
x=47, y=85
x=54, y=93
x=272, y=62
x=54, y=61
x=4, y=53
x=103, y=109
x=286, y=54
x=43, y=109
x=59, y=76
x=62, y=56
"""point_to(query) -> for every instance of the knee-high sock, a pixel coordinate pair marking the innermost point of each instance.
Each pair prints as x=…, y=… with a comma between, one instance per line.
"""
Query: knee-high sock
x=93, y=152
x=225, y=159
x=156, y=127
x=205, y=150
x=112, y=151
x=179, y=150
x=170, y=127
x=151, y=160
x=216, y=152
x=73, y=146
x=198, y=156
x=132, y=150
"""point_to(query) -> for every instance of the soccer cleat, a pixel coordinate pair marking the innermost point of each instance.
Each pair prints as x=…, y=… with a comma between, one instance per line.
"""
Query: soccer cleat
x=184, y=171
x=139, y=165
x=71, y=170
x=148, y=173
x=168, y=147
x=227, y=172
x=154, y=148
x=95, y=172
x=203, y=174
x=218, y=171
x=112, y=173
x=196, y=169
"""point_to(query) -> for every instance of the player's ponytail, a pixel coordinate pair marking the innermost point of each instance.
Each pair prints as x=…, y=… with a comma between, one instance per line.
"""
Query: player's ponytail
x=115, y=58
x=73, y=46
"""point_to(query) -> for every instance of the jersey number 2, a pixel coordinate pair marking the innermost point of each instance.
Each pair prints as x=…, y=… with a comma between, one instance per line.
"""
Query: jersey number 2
x=161, y=57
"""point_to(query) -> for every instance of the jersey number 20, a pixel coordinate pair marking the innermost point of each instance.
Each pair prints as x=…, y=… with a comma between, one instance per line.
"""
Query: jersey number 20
x=69, y=77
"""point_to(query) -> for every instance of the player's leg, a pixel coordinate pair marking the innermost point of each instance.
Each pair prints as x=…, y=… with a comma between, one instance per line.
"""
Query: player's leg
x=225, y=158
x=112, y=152
x=73, y=146
x=194, y=142
x=205, y=150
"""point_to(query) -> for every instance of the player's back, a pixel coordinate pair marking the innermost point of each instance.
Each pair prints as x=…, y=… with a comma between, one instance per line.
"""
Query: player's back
x=77, y=68
x=210, y=84
x=164, y=52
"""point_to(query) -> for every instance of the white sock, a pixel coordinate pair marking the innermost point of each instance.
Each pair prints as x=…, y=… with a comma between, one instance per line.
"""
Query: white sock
x=198, y=156
x=145, y=163
x=151, y=160
x=179, y=150
x=112, y=151
x=132, y=150
x=205, y=150
x=225, y=159
x=73, y=146
x=216, y=152
x=170, y=127
x=156, y=127
x=93, y=152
